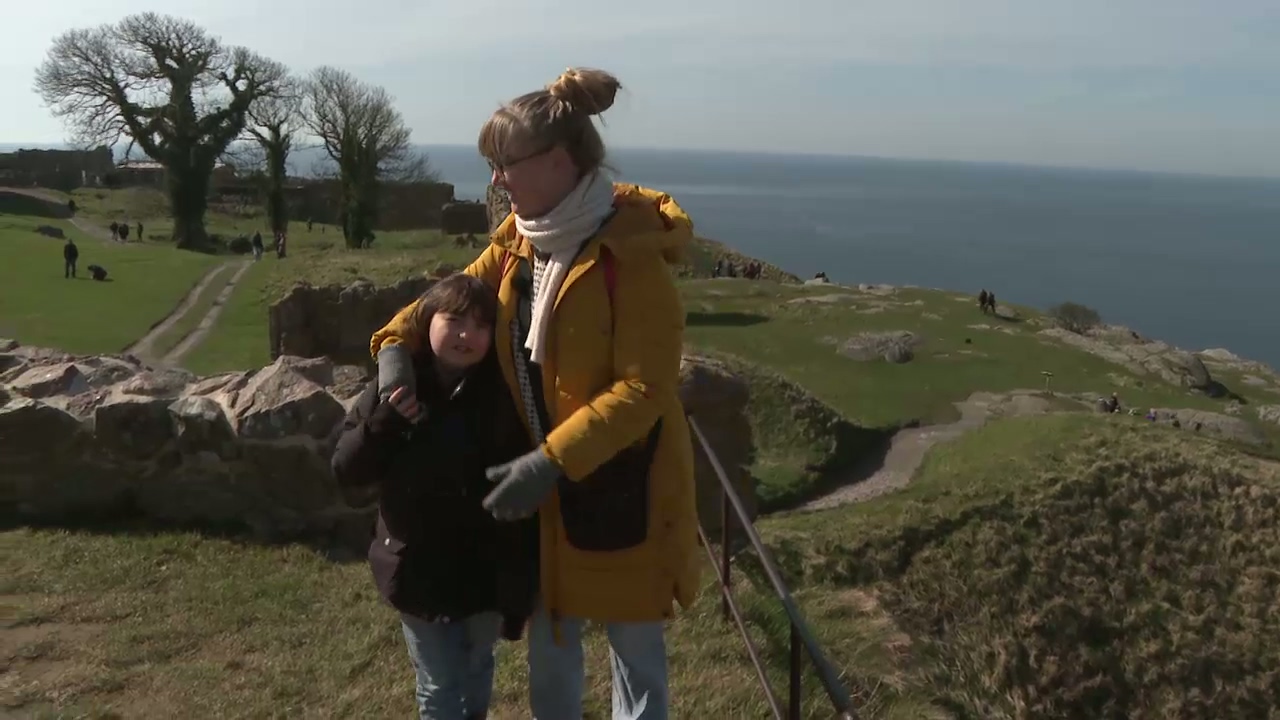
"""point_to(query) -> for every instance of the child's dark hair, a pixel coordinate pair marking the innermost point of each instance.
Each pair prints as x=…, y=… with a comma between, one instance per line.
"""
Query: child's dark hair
x=458, y=294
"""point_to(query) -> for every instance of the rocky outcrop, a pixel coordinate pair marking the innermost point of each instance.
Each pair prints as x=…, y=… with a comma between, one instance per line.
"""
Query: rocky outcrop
x=1141, y=356
x=897, y=346
x=717, y=397
x=498, y=206
x=1211, y=423
x=92, y=436
x=337, y=322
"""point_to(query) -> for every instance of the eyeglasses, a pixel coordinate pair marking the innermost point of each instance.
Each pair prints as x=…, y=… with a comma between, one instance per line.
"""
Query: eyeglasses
x=502, y=167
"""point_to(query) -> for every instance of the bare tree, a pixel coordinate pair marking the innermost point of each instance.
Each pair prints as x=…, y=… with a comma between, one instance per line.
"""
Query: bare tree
x=168, y=86
x=368, y=142
x=274, y=121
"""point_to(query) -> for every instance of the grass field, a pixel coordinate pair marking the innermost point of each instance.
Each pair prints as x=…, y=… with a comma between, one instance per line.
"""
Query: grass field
x=39, y=307
x=129, y=623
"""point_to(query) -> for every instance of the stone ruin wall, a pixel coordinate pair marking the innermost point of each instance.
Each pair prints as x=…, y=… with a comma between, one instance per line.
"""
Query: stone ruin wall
x=92, y=437
x=56, y=169
x=403, y=206
x=334, y=321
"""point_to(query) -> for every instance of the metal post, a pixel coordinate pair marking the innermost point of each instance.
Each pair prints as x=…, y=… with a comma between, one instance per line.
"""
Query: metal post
x=726, y=517
x=797, y=660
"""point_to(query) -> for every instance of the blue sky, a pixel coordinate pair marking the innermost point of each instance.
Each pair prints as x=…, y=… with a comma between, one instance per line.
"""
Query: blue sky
x=1166, y=85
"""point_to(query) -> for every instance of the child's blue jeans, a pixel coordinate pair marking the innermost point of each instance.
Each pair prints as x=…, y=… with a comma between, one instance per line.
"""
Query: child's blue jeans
x=454, y=664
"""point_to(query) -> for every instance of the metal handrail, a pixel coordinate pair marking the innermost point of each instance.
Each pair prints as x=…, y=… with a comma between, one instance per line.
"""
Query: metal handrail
x=802, y=638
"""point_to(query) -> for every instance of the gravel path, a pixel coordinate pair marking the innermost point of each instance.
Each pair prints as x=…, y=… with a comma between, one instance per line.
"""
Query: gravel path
x=201, y=331
x=908, y=447
x=144, y=347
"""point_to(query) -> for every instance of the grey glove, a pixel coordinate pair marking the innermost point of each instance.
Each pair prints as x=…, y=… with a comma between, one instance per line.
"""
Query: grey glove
x=395, y=369
x=522, y=483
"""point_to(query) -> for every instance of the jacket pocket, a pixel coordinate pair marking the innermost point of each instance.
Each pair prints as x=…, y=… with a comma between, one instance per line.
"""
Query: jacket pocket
x=609, y=509
x=387, y=561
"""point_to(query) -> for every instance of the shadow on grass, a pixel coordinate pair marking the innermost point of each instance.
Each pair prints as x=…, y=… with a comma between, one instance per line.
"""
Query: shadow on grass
x=14, y=203
x=727, y=319
x=1218, y=390
x=858, y=453
x=339, y=544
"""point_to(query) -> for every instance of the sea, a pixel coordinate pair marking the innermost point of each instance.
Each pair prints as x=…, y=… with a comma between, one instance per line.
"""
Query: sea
x=1191, y=260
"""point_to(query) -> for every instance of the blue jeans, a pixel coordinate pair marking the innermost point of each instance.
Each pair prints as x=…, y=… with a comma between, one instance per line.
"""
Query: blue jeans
x=454, y=664
x=637, y=652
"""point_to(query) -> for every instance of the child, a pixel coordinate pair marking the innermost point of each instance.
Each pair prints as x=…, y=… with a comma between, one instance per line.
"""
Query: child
x=458, y=577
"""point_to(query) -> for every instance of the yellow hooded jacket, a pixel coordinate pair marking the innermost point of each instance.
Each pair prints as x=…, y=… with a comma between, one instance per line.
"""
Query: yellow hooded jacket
x=611, y=372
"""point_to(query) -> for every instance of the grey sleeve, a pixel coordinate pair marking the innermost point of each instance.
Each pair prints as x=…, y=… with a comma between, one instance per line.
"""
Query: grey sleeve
x=395, y=368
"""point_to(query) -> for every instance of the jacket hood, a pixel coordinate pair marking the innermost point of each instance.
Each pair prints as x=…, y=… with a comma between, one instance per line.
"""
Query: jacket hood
x=646, y=220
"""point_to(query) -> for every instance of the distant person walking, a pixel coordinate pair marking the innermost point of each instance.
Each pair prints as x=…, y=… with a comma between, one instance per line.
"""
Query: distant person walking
x=139, y=230
x=70, y=254
x=257, y=246
x=982, y=301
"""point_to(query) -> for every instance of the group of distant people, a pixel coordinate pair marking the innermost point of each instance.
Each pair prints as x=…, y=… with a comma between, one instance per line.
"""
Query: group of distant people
x=281, y=240
x=987, y=301
x=71, y=256
x=726, y=268
x=120, y=231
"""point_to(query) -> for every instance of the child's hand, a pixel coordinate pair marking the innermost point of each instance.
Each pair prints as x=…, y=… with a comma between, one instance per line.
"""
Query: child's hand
x=405, y=403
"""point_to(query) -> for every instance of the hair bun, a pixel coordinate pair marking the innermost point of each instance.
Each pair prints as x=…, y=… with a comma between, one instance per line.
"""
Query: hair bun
x=585, y=91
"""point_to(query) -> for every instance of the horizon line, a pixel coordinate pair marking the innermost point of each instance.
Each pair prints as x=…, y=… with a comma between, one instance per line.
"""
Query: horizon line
x=1009, y=164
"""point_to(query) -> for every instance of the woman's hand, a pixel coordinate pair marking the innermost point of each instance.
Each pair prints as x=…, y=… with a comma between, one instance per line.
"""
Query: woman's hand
x=405, y=403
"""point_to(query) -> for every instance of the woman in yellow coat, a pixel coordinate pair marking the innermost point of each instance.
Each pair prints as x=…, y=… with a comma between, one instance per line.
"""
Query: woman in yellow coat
x=589, y=334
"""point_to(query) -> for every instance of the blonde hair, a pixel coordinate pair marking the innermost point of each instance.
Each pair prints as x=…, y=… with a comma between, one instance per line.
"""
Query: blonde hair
x=559, y=114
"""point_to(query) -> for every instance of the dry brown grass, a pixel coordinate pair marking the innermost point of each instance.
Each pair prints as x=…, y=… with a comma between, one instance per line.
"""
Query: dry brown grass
x=1119, y=572
x=127, y=624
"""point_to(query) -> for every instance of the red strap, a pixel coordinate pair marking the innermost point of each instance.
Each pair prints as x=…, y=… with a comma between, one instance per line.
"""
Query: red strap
x=610, y=273
x=506, y=262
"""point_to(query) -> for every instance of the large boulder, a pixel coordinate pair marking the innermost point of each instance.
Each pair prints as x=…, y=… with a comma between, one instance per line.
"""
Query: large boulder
x=717, y=398
x=279, y=401
x=895, y=346
x=50, y=464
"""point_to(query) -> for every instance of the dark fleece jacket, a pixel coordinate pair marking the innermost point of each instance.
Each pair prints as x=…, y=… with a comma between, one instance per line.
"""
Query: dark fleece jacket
x=436, y=553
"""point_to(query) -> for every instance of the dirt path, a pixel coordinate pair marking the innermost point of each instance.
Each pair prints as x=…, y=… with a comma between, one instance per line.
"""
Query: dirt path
x=201, y=331
x=906, y=451
x=144, y=347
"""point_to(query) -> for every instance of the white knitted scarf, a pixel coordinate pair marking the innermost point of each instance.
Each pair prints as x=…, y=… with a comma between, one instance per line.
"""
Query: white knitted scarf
x=559, y=234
